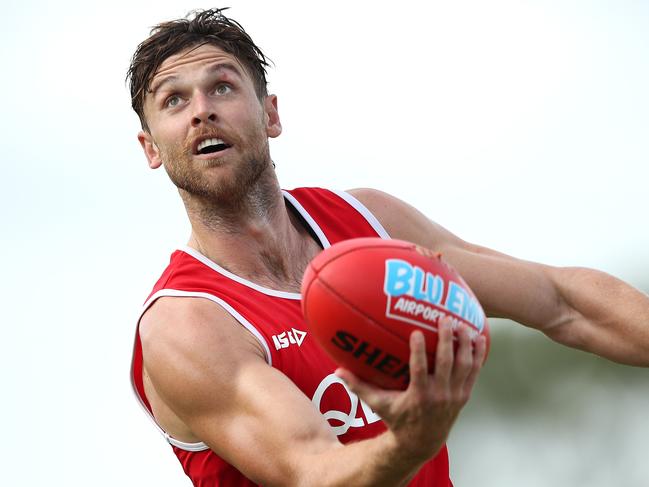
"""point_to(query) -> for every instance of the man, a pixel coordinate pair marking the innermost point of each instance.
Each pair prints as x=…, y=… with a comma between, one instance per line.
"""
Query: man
x=237, y=405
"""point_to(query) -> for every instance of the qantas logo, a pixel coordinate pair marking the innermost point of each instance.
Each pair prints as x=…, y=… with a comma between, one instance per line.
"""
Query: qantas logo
x=288, y=338
x=341, y=421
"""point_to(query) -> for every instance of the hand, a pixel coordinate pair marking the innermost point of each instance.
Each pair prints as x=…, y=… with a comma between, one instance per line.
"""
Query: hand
x=421, y=417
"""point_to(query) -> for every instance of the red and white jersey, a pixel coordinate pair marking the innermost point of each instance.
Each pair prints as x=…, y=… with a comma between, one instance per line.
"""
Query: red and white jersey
x=275, y=319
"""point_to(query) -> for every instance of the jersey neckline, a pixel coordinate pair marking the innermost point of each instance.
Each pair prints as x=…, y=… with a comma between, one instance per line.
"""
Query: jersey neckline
x=324, y=243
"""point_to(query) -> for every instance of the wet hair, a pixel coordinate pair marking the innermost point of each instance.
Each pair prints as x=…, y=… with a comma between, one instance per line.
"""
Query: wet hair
x=198, y=28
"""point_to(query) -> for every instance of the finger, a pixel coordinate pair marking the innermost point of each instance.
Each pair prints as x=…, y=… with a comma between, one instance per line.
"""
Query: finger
x=418, y=361
x=444, y=352
x=426, y=252
x=479, y=354
x=464, y=357
x=375, y=397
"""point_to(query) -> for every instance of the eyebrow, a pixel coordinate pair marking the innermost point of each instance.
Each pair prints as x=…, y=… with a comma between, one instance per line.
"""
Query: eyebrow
x=212, y=69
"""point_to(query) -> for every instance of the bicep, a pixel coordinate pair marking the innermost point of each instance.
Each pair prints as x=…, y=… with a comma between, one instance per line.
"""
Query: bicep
x=505, y=286
x=210, y=373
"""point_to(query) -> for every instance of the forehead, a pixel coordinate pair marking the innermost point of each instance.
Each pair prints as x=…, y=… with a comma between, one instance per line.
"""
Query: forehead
x=195, y=59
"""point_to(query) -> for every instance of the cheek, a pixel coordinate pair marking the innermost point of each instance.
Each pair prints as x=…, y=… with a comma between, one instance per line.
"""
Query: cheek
x=168, y=133
x=249, y=110
x=243, y=114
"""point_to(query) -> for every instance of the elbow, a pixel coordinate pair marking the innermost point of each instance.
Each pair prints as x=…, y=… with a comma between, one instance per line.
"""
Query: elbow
x=566, y=334
x=567, y=328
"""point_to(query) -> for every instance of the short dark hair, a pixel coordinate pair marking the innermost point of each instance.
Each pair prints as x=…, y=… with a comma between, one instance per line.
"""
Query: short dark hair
x=199, y=27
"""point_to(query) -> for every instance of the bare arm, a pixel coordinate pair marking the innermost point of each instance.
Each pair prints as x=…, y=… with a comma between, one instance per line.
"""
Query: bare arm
x=210, y=372
x=581, y=308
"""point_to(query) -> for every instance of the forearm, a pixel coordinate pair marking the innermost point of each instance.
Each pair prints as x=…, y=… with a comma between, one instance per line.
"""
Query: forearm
x=578, y=307
x=602, y=315
x=376, y=462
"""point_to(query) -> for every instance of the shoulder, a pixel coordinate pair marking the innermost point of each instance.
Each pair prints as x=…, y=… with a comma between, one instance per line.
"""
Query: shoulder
x=403, y=221
x=190, y=320
x=185, y=340
x=388, y=209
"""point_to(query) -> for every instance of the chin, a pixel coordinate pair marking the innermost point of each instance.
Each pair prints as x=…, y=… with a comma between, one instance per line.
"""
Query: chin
x=214, y=162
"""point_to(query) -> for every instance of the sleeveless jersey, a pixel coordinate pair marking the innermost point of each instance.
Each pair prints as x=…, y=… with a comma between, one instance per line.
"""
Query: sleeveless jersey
x=275, y=319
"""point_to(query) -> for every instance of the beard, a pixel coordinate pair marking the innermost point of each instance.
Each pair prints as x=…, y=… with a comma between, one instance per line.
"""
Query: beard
x=226, y=189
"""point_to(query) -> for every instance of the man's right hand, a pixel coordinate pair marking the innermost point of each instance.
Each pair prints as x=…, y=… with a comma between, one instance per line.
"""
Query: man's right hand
x=421, y=417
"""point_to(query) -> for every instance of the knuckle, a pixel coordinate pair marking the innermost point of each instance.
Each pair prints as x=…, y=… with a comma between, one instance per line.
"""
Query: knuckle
x=477, y=365
x=464, y=397
x=444, y=361
x=459, y=398
x=443, y=397
x=465, y=361
x=417, y=367
x=418, y=397
x=416, y=373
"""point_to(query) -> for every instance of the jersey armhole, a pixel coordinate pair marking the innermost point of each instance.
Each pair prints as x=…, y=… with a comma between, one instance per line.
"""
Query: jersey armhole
x=230, y=310
x=192, y=447
x=362, y=209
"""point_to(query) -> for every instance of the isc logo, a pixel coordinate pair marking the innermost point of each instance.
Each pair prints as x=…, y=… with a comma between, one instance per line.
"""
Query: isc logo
x=288, y=338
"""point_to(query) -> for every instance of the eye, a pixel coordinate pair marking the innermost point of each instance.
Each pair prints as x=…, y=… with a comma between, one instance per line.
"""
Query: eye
x=172, y=101
x=223, y=89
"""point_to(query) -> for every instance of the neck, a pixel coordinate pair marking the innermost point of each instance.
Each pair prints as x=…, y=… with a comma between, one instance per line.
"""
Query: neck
x=258, y=238
x=234, y=213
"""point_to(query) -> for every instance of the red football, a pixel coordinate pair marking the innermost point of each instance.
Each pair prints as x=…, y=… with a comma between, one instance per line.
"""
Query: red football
x=362, y=298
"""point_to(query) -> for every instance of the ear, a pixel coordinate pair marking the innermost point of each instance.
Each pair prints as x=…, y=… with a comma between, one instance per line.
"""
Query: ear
x=150, y=149
x=273, y=124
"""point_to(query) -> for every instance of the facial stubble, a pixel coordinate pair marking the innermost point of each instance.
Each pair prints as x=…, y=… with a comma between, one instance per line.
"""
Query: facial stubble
x=222, y=185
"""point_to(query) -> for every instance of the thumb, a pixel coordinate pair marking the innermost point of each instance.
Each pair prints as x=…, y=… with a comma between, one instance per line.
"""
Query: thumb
x=373, y=396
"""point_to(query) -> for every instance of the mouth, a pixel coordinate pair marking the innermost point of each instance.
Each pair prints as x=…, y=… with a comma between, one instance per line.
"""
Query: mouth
x=210, y=146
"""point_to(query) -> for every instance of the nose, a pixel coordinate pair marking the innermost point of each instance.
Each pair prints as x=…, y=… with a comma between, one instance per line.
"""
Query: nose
x=203, y=111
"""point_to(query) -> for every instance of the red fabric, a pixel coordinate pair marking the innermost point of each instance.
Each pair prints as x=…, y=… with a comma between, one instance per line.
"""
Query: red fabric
x=305, y=363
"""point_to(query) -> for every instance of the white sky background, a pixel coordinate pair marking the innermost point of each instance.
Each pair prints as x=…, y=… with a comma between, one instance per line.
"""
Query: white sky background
x=522, y=126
